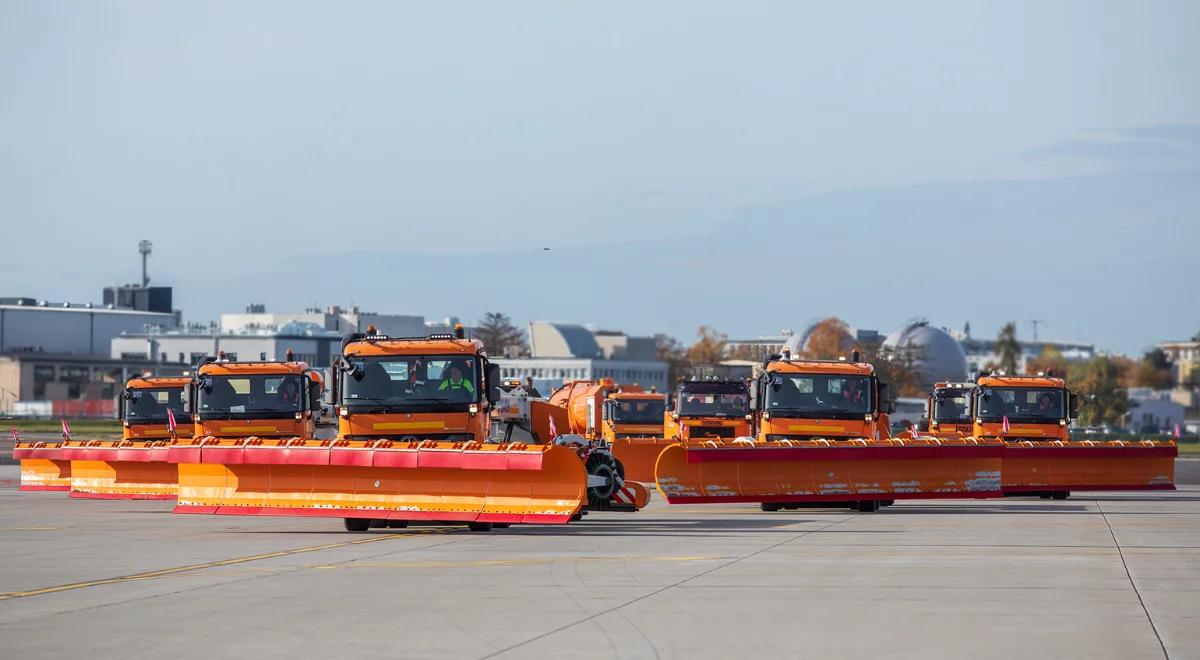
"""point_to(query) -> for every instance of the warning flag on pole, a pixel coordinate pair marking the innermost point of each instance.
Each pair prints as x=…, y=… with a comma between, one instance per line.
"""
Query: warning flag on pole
x=66, y=429
x=1005, y=428
x=171, y=422
x=553, y=430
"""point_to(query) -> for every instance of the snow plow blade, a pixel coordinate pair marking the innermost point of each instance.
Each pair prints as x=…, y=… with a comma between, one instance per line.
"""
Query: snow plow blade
x=828, y=470
x=424, y=480
x=1056, y=466
x=42, y=466
x=638, y=456
x=121, y=470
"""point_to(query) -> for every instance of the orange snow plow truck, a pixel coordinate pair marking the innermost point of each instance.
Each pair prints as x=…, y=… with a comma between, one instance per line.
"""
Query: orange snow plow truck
x=153, y=414
x=1031, y=414
x=413, y=423
x=625, y=418
x=822, y=437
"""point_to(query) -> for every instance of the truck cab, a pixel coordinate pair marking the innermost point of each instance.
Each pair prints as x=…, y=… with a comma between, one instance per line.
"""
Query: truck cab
x=260, y=399
x=950, y=410
x=633, y=414
x=709, y=409
x=143, y=408
x=830, y=399
x=439, y=387
x=1038, y=408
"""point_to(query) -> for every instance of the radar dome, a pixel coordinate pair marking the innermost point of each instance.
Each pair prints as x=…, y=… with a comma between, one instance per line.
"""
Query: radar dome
x=936, y=355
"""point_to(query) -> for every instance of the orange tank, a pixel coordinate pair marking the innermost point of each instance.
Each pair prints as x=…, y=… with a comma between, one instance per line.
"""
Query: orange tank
x=625, y=417
x=1032, y=414
x=413, y=423
x=135, y=466
x=822, y=436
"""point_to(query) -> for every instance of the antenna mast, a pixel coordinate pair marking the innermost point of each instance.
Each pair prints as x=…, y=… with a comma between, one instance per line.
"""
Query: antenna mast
x=144, y=248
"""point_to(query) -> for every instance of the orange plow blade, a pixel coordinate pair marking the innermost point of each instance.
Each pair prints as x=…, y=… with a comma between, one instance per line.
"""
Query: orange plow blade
x=121, y=470
x=828, y=470
x=1042, y=466
x=638, y=456
x=43, y=466
x=468, y=482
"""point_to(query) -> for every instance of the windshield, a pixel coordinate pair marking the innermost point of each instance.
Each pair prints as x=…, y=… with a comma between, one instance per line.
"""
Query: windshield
x=952, y=406
x=252, y=395
x=149, y=406
x=638, y=411
x=716, y=399
x=815, y=395
x=409, y=381
x=1021, y=403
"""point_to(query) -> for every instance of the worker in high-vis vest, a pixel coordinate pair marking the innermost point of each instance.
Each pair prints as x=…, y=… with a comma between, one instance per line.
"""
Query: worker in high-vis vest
x=456, y=381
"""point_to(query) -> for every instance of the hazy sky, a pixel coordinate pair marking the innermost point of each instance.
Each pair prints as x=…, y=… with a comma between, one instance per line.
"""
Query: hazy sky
x=747, y=165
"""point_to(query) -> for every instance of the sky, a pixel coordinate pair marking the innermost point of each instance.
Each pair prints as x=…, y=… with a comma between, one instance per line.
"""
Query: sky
x=748, y=166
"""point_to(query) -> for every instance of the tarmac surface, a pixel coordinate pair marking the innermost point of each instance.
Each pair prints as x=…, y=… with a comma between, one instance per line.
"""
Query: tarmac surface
x=1101, y=575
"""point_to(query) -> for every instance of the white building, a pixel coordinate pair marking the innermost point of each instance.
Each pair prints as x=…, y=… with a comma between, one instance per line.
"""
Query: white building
x=308, y=342
x=563, y=352
x=1153, y=410
x=337, y=319
x=982, y=352
x=65, y=328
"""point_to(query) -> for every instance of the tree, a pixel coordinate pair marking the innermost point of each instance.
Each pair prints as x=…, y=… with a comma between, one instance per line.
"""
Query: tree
x=1153, y=371
x=829, y=339
x=898, y=368
x=752, y=352
x=671, y=351
x=500, y=337
x=709, y=348
x=1008, y=350
x=1050, y=362
x=1098, y=386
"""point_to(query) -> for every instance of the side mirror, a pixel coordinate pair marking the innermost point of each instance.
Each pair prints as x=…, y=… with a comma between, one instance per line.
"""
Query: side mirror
x=314, y=396
x=884, y=399
x=493, y=383
x=1072, y=405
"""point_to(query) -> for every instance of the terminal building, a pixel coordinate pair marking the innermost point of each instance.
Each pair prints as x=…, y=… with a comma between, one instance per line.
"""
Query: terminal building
x=562, y=352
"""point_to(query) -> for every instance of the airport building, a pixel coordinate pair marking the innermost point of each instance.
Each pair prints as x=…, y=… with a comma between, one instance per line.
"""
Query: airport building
x=337, y=319
x=308, y=342
x=562, y=352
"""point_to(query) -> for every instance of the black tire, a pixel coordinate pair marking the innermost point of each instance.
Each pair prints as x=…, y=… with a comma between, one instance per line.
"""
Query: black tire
x=883, y=503
x=480, y=526
x=604, y=465
x=866, y=506
x=1061, y=494
x=577, y=517
x=771, y=506
x=379, y=523
x=357, y=524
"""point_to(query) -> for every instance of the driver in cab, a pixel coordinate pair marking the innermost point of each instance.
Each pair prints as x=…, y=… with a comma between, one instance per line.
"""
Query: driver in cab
x=456, y=380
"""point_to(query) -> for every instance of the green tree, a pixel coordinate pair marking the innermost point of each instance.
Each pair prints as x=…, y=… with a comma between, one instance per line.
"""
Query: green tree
x=1050, y=362
x=709, y=347
x=898, y=368
x=500, y=337
x=1008, y=350
x=1097, y=383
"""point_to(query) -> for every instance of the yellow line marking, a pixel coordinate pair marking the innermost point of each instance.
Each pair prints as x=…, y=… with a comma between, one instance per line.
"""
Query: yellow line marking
x=194, y=567
x=29, y=529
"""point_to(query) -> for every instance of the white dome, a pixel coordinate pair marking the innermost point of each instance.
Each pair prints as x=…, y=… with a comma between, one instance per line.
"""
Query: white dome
x=937, y=355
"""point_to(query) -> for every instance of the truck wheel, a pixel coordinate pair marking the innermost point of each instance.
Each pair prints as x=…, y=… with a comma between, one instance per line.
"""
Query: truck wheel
x=771, y=506
x=480, y=526
x=602, y=465
x=357, y=524
x=1061, y=494
x=866, y=506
